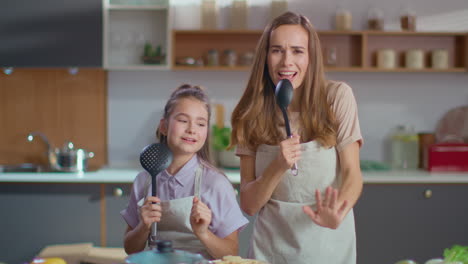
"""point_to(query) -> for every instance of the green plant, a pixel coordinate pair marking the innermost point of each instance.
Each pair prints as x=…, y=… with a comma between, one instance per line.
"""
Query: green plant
x=221, y=137
x=456, y=253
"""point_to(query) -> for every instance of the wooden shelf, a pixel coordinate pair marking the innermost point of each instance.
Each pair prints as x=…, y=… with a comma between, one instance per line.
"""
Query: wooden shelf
x=209, y=68
x=355, y=51
x=128, y=27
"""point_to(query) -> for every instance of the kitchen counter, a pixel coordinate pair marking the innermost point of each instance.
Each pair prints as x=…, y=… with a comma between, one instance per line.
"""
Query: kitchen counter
x=127, y=175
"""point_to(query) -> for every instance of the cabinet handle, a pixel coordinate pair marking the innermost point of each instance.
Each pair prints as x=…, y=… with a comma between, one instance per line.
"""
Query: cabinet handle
x=428, y=193
x=118, y=192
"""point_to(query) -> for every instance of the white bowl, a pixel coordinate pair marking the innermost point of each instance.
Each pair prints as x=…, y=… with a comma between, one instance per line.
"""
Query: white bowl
x=228, y=159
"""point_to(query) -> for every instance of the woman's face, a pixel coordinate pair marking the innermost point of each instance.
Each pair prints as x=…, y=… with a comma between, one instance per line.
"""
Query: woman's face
x=187, y=127
x=288, y=54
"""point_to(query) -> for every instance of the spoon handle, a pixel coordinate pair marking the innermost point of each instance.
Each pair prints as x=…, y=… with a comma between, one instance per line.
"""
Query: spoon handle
x=294, y=170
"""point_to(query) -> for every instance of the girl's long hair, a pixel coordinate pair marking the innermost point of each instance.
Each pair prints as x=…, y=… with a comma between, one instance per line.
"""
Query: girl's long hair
x=256, y=117
x=198, y=93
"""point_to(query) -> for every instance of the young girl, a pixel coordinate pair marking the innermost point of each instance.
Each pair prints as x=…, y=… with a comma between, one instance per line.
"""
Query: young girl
x=198, y=209
x=304, y=218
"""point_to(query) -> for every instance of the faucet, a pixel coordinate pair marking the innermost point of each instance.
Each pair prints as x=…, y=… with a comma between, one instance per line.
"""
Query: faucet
x=44, y=138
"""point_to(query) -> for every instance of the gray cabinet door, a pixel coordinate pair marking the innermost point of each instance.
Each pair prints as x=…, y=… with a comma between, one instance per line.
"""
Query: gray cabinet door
x=395, y=222
x=37, y=215
x=51, y=33
x=117, y=197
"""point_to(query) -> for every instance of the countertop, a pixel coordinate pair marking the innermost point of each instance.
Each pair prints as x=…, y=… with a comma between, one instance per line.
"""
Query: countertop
x=127, y=175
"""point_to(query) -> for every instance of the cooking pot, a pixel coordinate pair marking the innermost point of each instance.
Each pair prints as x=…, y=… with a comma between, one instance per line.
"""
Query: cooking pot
x=165, y=254
x=66, y=159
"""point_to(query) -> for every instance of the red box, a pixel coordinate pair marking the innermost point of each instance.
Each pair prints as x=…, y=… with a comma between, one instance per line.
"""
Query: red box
x=447, y=157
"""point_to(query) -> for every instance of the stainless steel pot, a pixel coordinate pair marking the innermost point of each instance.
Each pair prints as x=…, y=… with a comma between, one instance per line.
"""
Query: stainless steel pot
x=66, y=159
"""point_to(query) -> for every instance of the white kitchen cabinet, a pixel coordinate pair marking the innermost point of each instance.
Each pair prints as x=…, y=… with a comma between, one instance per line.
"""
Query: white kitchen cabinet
x=128, y=26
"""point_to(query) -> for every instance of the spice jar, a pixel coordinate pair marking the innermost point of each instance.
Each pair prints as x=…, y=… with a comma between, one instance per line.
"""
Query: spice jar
x=375, y=19
x=408, y=20
x=230, y=58
x=212, y=58
x=343, y=20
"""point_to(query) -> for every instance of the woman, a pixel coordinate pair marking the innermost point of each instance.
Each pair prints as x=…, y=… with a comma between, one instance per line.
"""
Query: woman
x=306, y=218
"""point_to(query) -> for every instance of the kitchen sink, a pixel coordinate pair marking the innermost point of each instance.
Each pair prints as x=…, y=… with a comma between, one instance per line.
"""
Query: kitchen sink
x=24, y=167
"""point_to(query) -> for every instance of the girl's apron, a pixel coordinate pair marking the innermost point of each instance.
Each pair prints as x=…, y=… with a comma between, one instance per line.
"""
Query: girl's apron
x=175, y=221
x=283, y=233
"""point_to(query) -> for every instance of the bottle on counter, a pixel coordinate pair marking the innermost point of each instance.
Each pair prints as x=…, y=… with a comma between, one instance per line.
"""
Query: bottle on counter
x=404, y=148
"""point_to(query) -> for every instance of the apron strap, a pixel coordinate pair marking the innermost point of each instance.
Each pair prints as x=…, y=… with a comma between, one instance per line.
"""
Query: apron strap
x=198, y=179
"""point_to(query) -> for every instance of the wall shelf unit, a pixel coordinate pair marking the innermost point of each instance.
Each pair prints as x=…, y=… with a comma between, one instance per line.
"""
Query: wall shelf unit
x=343, y=51
x=128, y=27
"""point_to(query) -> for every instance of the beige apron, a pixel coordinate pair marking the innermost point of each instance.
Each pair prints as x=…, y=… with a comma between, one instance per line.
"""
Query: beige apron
x=283, y=233
x=175, y=221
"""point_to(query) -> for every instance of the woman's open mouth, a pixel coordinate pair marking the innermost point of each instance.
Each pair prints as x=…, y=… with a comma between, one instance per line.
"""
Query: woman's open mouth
x=287, y=75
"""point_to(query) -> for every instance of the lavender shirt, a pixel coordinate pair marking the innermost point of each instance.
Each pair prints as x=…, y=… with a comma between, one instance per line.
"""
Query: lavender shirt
x=216, y=192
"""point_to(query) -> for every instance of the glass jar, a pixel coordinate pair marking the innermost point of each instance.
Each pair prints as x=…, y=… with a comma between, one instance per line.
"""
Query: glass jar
x=212, y=58
x=405, y=148
x=408, y=19
x=209, y=14
x=343, y=19
x=375, y=19
x=278, y=7
x=238, y=14
x=230, y=58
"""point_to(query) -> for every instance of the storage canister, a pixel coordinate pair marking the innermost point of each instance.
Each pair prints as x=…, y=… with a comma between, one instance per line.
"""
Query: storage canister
x=414, y=59
x=238, y=14
x=386, y=59
x=343, y=20
x=439, y=59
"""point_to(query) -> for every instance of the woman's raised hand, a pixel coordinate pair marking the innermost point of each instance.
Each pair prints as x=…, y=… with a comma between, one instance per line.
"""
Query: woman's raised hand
x=150, y=212
x=290, y=151
x=200, y=217
x=329, y=212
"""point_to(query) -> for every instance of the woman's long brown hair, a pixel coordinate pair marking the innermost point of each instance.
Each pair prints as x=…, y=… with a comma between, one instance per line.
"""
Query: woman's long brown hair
x=255, y=119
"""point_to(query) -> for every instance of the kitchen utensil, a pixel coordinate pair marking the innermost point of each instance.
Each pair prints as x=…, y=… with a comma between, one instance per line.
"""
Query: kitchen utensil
x=66, y=159
x=284, y=93
x=453, y=127
x=155, y=158
x=165, y=254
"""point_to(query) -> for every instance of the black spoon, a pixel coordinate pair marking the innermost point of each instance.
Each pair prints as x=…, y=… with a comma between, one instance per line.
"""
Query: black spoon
x=155, y=158
x=284, y=93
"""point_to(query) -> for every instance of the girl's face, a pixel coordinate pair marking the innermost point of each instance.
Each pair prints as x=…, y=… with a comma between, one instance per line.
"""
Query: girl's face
x=288, y=54
x=187, y=127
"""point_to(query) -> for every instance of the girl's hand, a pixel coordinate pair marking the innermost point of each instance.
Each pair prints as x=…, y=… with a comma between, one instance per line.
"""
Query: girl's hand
x=290, y=152
x=150, y=212
x=200, y=217
x=329, y=213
